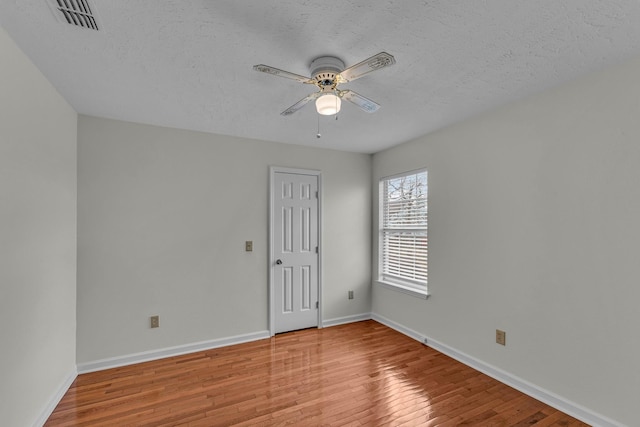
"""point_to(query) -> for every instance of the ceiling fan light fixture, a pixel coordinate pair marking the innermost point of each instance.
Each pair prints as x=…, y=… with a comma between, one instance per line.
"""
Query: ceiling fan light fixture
x=327, y=72
x=328, y=104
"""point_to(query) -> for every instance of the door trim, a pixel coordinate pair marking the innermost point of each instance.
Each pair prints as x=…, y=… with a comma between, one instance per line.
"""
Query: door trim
x=270, y=258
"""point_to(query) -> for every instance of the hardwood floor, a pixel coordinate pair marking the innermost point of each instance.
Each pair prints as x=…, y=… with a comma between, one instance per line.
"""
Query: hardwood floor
x=360, y=374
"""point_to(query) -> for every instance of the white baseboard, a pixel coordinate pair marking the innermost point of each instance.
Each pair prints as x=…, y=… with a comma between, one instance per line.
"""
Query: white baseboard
x=130, y=359
x=551, y=399
x=346, y=319
x=146, y=356
x=55, y=399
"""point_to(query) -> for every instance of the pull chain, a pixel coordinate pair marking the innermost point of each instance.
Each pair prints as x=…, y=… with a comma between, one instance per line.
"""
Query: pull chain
x=318, y=134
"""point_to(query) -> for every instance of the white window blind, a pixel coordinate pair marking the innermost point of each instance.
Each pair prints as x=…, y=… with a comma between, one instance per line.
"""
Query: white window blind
x=403, y=229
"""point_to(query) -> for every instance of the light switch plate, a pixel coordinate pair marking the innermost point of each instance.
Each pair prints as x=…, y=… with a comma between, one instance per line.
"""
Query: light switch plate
x=248, y=246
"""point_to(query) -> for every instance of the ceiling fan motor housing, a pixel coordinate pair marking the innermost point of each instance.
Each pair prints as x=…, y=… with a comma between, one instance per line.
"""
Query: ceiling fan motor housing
x=325, y=69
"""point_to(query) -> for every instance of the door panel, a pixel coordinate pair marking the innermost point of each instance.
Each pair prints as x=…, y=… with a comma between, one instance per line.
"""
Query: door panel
x=295, y=232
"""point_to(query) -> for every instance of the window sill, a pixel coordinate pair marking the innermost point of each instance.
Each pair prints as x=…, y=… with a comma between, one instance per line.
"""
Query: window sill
x=404, y=289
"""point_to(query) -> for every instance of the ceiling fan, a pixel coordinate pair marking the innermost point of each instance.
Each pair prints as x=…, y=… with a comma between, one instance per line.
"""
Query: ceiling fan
x=327, y=72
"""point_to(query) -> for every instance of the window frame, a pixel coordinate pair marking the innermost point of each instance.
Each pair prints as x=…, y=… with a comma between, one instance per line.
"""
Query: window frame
x=408, y=286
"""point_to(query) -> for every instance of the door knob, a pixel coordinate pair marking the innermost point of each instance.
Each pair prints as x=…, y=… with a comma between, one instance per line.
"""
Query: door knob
x=279, y=261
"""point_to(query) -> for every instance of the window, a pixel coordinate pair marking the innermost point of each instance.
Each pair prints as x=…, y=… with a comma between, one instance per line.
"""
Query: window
x=403, y=232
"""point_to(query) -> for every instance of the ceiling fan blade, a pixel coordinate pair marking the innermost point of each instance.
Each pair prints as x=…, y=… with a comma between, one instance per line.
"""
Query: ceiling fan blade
x=365, y=104
x=281, y=73
x=376, y=62
x=298, y=105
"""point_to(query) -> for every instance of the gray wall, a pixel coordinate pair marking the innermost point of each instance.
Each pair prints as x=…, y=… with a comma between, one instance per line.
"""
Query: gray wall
x=534, y=229
x=162, y=220
x=37, y=239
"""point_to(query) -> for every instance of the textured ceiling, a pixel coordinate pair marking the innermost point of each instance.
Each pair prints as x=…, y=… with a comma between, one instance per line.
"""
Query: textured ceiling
x=188, y=64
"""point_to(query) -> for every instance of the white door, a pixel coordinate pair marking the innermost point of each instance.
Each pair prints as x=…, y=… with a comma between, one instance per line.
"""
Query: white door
x=294, y=255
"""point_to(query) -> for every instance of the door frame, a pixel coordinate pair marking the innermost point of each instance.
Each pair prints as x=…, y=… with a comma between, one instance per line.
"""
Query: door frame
x=271, y=259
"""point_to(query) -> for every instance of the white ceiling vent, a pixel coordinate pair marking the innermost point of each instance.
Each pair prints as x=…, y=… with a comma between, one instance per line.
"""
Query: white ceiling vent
x=80, y=13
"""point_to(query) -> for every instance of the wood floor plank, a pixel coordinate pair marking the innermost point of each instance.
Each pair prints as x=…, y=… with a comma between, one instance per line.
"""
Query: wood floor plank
x=360, y=374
